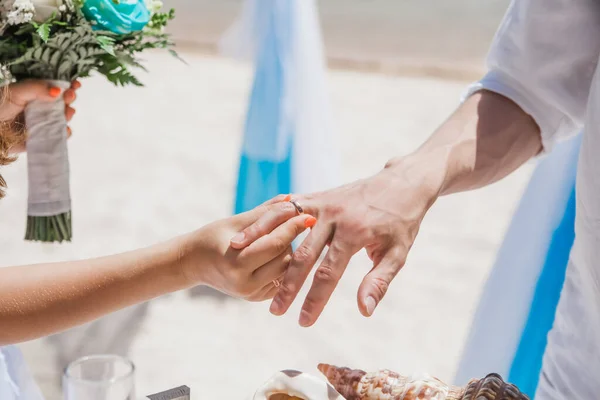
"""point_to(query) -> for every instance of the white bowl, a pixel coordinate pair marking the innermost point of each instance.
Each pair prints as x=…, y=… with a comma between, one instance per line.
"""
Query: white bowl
x=289, y=384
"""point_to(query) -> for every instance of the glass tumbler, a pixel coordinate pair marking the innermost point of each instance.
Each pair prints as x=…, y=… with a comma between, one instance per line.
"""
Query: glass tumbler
x=99, y=377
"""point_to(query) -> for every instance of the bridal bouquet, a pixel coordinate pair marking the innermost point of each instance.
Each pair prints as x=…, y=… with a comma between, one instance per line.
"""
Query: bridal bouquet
x=60, y=41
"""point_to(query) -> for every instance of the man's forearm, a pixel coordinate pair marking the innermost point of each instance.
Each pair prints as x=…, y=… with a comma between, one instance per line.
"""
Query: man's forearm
x=486, y=139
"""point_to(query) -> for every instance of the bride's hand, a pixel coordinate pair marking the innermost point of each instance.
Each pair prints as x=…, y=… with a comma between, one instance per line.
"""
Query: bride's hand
x=252, y=273
x=18, y=95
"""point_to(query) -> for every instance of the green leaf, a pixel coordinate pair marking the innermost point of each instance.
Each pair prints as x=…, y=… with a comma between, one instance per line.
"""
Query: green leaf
x=46, y=55
x=176, y=55
x=54, y=60
x=66, y=47
x=107, y=44
x=37, y=52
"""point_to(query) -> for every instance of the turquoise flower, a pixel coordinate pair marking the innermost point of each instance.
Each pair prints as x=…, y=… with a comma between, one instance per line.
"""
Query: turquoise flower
x=117, y=16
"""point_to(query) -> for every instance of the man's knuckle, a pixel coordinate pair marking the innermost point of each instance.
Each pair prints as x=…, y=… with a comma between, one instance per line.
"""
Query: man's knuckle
x=303, y=255
x=325, y=274
x=381, y=286
x=333, y=210
x=353, y=227
x=399, y=255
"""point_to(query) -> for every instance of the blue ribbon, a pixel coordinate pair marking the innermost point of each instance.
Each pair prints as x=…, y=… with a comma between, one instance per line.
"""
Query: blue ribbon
x=527, y=364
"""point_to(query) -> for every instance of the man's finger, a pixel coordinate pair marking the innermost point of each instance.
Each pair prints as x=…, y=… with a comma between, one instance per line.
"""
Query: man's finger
x=325, y=281
x=376, y=283
x=276, y=215
x=302, y=262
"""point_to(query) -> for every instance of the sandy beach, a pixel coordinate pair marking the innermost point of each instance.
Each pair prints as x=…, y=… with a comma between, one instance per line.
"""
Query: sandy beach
x=151, y=163
x=410, y=37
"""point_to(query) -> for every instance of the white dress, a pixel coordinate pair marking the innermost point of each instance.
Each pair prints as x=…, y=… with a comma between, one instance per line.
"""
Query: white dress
x=16, y=382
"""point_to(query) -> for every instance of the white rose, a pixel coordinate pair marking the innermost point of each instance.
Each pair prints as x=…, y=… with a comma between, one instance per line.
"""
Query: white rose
x=154, y=6
x=45, y=8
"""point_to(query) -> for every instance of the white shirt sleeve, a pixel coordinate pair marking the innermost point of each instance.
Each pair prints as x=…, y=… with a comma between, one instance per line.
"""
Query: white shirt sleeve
x=543, y=58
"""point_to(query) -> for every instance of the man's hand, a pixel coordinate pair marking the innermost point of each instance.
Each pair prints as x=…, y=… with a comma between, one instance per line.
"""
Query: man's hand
x=382, y=214
x=487, y=138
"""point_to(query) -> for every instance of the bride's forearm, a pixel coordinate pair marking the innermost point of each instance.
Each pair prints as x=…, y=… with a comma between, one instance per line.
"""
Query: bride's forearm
x=39, y=300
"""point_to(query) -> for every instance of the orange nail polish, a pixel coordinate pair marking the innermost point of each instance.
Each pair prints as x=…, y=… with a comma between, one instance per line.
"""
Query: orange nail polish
x=287, y=198
x=76, y=85
x=310, y=222
x=54, y=92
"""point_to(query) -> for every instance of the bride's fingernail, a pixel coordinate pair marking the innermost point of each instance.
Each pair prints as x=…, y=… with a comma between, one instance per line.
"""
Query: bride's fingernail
x=239, y=238
x=54, y=92
x=287, y=198
x=310, y=222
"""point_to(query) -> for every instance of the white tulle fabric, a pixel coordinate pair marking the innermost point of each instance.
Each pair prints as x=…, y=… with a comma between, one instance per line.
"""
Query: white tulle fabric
x=16, y=382
x=315, y=150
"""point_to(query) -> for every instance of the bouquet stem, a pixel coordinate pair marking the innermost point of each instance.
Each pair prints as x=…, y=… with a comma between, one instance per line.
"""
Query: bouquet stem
x=49, y=203
x=49, y=229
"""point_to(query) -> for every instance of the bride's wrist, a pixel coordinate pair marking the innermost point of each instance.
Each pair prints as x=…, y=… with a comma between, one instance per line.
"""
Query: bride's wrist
x=196, y=256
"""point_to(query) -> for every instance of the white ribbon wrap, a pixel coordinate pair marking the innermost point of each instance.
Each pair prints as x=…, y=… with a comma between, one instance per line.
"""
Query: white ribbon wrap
x=47, y=156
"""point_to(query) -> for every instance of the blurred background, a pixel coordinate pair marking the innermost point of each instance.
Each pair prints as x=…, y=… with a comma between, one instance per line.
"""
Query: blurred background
x=149, y=163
